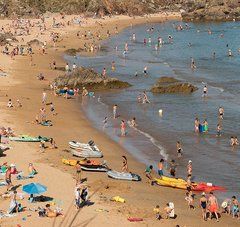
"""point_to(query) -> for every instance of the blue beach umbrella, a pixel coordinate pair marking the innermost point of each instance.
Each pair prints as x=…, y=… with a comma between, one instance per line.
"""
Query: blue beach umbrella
x=34, y=188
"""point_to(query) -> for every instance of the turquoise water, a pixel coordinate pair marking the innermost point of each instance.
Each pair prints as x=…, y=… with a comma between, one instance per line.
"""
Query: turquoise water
x=155, y=137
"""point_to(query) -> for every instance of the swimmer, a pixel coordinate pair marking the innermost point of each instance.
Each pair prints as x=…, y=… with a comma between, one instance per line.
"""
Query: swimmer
x=193, y=65
x=230, y=53
x=145, y=71
x=113, y=66
x=123, y=128
x=189, y=168
x=136, y=73
x=133, y=122
x=179, y=149
x=134, y=37
x=173, y=167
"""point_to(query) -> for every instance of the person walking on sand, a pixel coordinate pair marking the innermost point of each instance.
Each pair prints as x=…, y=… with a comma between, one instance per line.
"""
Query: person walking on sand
x=78, y=171
x=160, y=168
x=213, y=205
x=203, y=204
x=124, y=164
x=115, y=107
x=44, y=97
x=77, y=192
x=148, y=172
x=8, y=178
x=123, y=128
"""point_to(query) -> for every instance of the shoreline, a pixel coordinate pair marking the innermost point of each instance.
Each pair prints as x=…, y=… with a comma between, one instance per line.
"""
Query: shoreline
x=29, y=90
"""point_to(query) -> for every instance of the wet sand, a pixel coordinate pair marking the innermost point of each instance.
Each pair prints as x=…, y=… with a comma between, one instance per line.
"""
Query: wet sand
x=69, y=124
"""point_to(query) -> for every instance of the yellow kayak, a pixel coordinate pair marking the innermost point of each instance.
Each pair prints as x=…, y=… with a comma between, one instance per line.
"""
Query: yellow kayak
x=173, y=180
x=171, y=183
x=70, y=162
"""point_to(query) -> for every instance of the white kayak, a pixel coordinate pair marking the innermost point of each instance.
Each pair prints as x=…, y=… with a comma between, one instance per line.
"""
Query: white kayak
x=82, y=146
x=86, y=153
x=123, y=176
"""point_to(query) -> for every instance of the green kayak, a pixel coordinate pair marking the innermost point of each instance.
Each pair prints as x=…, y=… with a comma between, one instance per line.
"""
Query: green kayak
x=29, y=139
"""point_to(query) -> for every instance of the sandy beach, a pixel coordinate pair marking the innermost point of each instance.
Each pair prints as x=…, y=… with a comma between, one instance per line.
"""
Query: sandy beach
x=70, y=124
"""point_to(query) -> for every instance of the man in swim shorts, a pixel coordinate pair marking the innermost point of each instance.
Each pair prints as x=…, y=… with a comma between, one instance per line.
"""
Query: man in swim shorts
x=160, y=168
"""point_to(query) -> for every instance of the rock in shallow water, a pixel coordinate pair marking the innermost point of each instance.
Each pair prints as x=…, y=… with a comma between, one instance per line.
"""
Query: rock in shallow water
x=172, y=85
x=90, y=79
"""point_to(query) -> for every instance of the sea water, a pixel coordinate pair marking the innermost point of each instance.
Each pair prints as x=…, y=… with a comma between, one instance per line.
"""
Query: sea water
x=156, y=135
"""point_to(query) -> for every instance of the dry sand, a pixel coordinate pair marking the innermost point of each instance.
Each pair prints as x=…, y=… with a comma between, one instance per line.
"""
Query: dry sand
x=21, y=83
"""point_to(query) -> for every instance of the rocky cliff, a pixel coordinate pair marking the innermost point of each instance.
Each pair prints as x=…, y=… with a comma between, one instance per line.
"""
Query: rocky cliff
x=190, y=9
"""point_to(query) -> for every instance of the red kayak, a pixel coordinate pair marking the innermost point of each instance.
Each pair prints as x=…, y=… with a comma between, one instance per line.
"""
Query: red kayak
x=207, y=187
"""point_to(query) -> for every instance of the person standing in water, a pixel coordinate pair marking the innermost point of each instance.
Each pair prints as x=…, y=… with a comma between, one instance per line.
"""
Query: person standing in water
x=160, y=168
x=219, y=129
x=145, y=98
x=205, y=91
x=172, y=169
x=196, y=125
x=145, y=71
x=115, y=111
x=213, y=205
x=193, y=65
x=189, y=168
x=220, y=112
x=123, y=128
x=179, y=149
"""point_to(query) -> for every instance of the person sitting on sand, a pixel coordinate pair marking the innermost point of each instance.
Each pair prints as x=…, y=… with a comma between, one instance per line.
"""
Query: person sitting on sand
x=77, y=197
x=124, y=164
x=19, y=104
x=226, y=206
x=51, y=213
x=156, y=210
x=148, y=172
x=31, y=169
x=169, y=210
x=9, y=104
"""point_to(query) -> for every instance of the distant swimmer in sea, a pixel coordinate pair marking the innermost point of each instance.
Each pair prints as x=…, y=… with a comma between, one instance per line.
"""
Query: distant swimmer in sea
x=214, y=55
x=145, y=98
x=219, y=130
x=220, y=112
x=193, y=65
x=196, y=125
x=205, y=91
x=124, y=164
x=189, y=168
x=145, y=71
x=134, y=37
x=230, y=53
x=205, y=125
x=126, y=47
x=113, y=66
x=179, y=149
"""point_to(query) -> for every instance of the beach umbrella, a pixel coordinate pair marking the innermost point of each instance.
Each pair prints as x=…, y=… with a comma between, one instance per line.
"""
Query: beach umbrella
x=34, y=188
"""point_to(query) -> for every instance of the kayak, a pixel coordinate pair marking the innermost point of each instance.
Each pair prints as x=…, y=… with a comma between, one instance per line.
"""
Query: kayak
x=92, y=165
x=182, y=184
x=86, y=153
x=70, y=162
x=82, y=146
x=25, y=138
x=123, y=176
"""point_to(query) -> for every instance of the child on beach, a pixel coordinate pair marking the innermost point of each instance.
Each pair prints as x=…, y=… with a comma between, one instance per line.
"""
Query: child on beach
x=156, y=210
x=189, y=199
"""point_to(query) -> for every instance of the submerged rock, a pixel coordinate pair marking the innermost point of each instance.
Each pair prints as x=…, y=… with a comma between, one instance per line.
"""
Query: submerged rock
x=85, y=77
x=172, y=85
